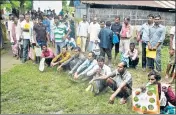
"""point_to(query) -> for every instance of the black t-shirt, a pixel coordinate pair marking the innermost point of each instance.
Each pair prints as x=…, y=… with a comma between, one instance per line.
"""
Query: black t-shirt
x=116, y=27
x=40, y=32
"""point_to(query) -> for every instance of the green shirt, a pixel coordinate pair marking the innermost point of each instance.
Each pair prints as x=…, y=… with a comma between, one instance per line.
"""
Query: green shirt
x=59, y=32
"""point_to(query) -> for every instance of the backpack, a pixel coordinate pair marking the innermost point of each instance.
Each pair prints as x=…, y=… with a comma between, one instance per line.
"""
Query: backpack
x=115, y=38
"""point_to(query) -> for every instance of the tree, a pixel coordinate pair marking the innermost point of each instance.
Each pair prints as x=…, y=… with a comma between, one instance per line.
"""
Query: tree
x=21, y=5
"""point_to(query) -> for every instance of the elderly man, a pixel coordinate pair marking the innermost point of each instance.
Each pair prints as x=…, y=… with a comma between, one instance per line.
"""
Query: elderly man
x=101, y=69
x=120, y=81
x=156, y=37
x=125, y=35
x=74, y=62
x=93, y=30
x=83, y=32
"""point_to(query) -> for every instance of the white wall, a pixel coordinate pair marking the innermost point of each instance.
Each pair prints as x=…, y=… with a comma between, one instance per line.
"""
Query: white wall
x=45, y=5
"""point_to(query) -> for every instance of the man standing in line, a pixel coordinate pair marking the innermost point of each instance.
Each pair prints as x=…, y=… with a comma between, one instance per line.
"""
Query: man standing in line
x=60, y=34
x=116, y=28
x=125, y=36
x=156, y=38
x=46, y=23
x=142, y=35
x=83, y=32
x=20, y=42
x=93, y=30
x=106, y=36
x=27, y=35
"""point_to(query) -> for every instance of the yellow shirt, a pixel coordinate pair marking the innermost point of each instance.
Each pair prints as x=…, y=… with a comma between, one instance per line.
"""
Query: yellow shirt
x=64, y=57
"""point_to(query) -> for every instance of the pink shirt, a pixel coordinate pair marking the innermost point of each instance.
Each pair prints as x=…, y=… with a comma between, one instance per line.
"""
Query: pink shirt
x=49, y=53
x=125, y=30
x=133, y=54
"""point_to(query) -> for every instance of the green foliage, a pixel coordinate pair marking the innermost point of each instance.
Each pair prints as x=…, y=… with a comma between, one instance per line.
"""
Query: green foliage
x=18, y=4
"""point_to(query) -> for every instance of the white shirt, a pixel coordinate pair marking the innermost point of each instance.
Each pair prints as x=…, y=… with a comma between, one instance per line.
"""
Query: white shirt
x=10, y=25
x=83, y=29
x=106, y=70
x=52, y=24
x=96, y=49
x=70, y=42
x=27, y=35
x=94, y=30
x=172, y=31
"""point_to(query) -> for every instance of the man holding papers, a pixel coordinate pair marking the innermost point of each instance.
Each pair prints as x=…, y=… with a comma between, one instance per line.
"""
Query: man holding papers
x=156, y=38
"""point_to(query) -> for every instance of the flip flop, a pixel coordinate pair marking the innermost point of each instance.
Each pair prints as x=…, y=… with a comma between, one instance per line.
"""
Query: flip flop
x=123, y=101
x=42, y=65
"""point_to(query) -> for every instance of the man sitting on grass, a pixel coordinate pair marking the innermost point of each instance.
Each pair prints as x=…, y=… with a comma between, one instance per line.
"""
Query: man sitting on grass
x=85, y=67
x=132, y=55
x=70, y=43
x=48, y=54
x=61, y=58
x=74, y=62
x=99, y=70
x=121, y=84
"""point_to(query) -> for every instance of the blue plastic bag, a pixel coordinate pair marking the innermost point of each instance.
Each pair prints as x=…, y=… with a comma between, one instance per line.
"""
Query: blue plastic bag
x=115, y=38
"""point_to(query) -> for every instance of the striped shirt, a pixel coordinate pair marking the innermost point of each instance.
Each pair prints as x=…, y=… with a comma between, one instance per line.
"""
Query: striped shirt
x=59, y=32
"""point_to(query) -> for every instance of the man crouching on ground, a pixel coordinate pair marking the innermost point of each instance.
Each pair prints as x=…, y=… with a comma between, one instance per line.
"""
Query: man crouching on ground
x=61, y=58
x=120, y=81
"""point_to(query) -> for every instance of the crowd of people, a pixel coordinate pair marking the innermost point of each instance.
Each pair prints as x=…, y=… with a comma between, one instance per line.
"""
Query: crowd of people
x=86, y=60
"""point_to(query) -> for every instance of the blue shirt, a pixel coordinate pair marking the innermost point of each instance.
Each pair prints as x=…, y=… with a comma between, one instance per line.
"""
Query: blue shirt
x=86, y=66
x=144, y=30
x=105, y=36
x=46, y=23
x=156, y=35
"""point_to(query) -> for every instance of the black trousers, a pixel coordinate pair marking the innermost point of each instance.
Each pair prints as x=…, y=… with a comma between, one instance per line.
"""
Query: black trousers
x=144, y=55
x=133, y=63
x=116, y=47
x=107, y=51
x=48, y=61
x=150, y=63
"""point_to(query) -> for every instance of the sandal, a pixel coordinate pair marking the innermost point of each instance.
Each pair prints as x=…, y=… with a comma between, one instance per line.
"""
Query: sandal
x=123, y=101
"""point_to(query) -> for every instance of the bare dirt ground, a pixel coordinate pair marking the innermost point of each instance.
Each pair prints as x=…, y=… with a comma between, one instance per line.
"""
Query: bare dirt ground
x=7, y=59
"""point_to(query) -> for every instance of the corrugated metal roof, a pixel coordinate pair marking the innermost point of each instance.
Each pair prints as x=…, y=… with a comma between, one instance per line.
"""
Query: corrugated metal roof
x=151, y=3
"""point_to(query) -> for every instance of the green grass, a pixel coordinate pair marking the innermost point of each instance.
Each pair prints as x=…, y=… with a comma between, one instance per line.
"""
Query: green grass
x=25, y=90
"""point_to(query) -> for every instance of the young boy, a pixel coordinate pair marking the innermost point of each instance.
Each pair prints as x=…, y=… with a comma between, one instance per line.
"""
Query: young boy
x=132, y=55
x=70, y=43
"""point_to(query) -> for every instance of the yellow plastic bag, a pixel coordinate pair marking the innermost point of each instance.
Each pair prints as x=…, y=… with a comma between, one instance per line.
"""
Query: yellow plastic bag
x=78, y=41
x=150, y=54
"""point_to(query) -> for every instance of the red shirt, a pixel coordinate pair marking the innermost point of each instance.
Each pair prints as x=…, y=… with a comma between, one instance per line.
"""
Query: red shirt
x=48, y=53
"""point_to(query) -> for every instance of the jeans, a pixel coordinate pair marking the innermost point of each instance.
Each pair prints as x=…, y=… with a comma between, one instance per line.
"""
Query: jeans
x=26, y=44
x=144, y=55
x=41, y=43
x=59, y=46
x=157, y=61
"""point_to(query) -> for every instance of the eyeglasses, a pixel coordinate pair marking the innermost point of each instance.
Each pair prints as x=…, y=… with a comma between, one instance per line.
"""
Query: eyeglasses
x=151, y=79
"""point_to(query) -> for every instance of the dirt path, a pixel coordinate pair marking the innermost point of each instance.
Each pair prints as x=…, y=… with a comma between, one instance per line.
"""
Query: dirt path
x=7, y=60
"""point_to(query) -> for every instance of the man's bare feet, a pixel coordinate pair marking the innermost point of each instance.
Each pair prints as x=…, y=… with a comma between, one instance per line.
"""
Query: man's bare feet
x=123, y=100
